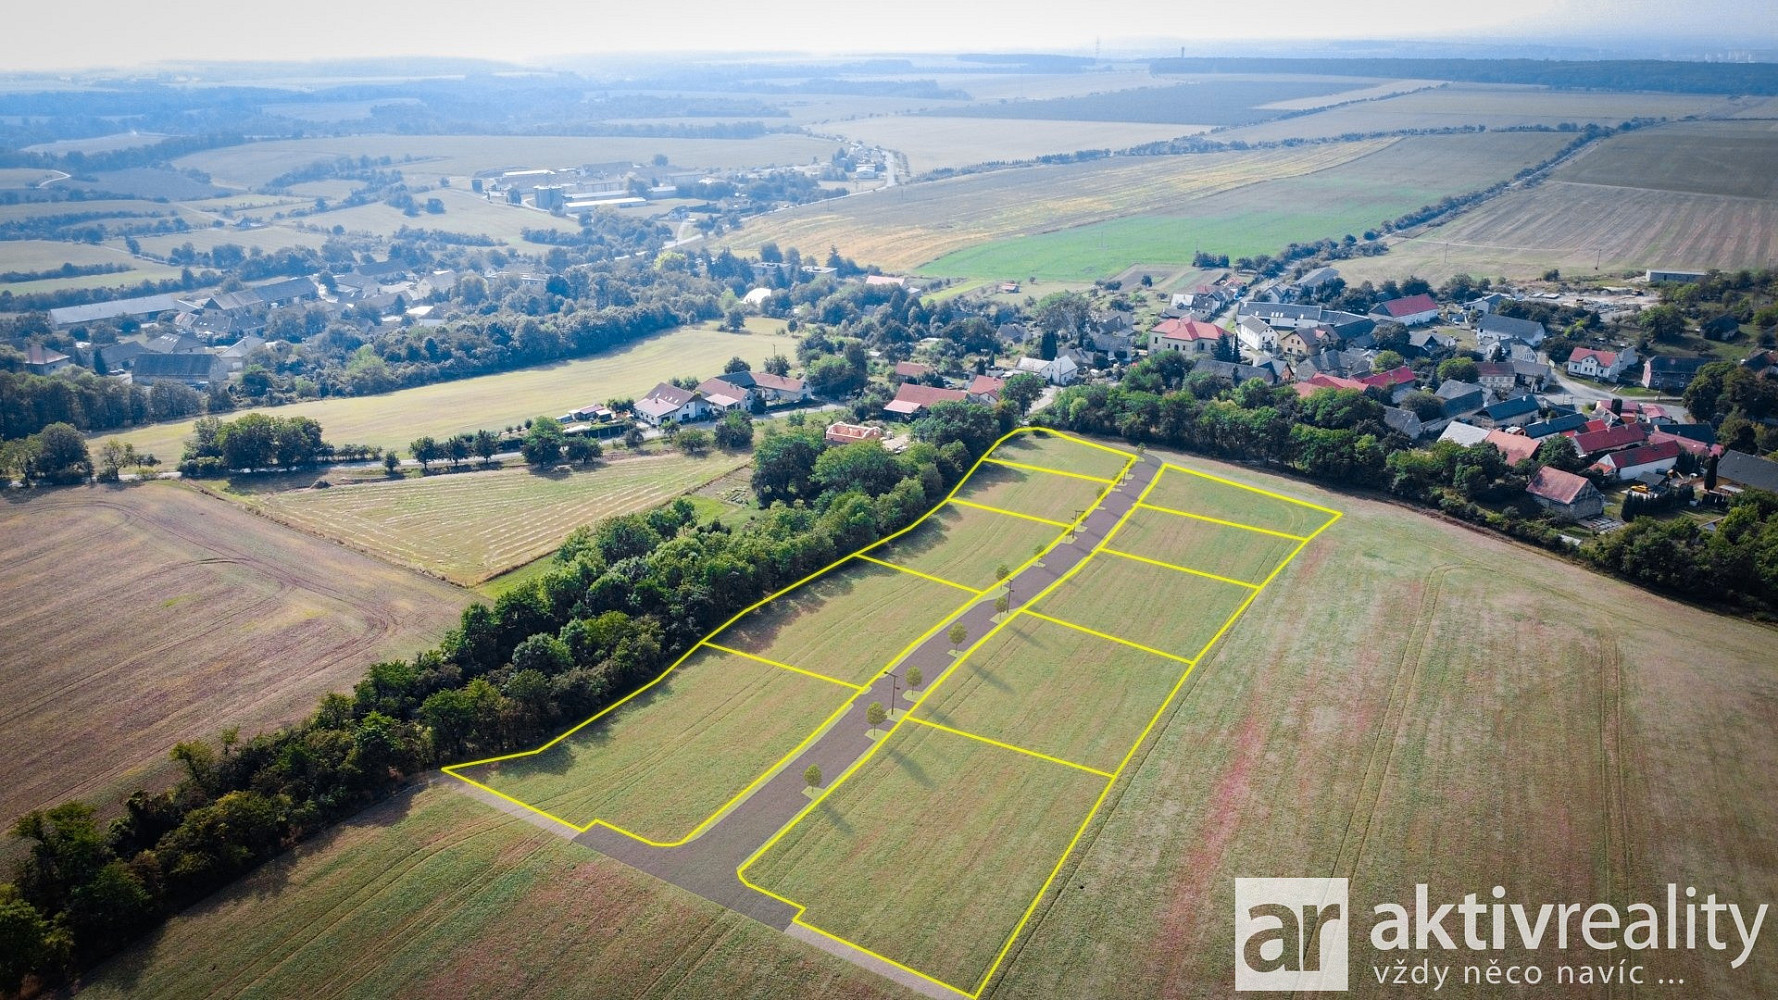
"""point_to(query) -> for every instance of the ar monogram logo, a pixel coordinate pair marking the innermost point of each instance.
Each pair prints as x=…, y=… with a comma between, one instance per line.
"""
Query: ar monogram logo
x=1290, y=934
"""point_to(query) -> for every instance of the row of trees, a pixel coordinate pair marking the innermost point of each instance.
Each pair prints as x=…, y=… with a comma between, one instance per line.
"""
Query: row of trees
x=627, y=598
x=88, y=402
x=250, y=442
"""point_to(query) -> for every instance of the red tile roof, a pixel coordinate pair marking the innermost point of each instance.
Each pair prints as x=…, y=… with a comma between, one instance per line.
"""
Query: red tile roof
x=1696, y=447
x=1322, y=380
x=1189, y=329
x=986, y=385
x=1555, y=485
x=911, y=398
x=1410, y=305
x=1605, y=358
x=780, y=383
x=911, y=369
x=1516, y=447
x=1399, y=375
x=1611, y=439
x=1644, y=455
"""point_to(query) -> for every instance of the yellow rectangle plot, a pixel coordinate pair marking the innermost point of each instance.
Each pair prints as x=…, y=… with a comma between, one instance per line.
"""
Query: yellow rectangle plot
x=1175, y=612
x=1034, y=494
x=1205, y=546
x=966, y=545
x=664, y=761
x=1208, y=496
x=1063, y=454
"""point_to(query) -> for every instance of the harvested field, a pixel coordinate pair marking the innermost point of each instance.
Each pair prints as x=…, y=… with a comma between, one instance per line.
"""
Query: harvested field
x=935, y=143
x=908, y=225
x=469, y=526
x=433, y=894
x=1164, y=609
x=1733, y=159
x=1034, y=494
x=1403, y=685
x=1206, y=497
x=1052, y=451
x=1343, y=199
x=156, y=614
x=663, y=762
x=1055, y=690
x=1206, y=99
x=816, y=626
x=1236, y=553
x=494, y=401
x=965, y=545
x=955, y=836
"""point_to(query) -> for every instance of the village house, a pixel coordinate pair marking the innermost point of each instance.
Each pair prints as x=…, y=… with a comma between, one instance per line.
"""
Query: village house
x=911, y=398
x=1059, y=371
x=985, y=389
x=1256, y=336
x=1509, y=413
x=1516, y=447
x=1565, y=494
x=724, y=396
x=1430, y=344
x=1413, y=310
x=1633, y=462
x=768, y=389
x=1307, y=341
x=911, y=370
x=1747, y=471
x=1187, y=336
x=669, y=404
x=1404, y=422
x=1555, y=425
x=1604, y=366
x=1671, y=374
x=40, y=360
x=1464, y=435
x=1494, y=332
x=1461, y=398
x=1237, y=373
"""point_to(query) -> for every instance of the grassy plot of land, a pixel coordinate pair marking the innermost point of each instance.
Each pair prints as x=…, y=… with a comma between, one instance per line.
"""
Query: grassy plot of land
x=1164, y=609
x=494, y=401
x=434, y=894
x=666, y=760
x=1035, y=494
x=849, y=623
x=145, y=615
x=1404, y=685
x=1052, y=451
x=930, y=852
x=473, y=525
x=1263, y=217
x=1236, y=553
x=1055, y=690
x=966, y=546
x=1182, y=490
x=908, y=225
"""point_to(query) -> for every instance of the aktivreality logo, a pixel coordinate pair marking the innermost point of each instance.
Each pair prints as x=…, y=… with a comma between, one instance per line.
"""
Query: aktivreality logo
x=1294, y=934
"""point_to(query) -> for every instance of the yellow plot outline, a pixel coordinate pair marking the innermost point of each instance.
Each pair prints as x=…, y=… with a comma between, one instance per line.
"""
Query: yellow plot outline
x=1111, y=781
x=776, y=766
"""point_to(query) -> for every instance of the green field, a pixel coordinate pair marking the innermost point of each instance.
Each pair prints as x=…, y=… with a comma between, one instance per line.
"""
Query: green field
x=469, y=526
x=1263, y=217
x=849, y=623
x=1035, y=494
x=1179, y=490
x=965, y=545
x=663, y=762
x=1050, y=451
x=930, y=852
x=494, y=401
x=1164, y=609
x=432, y=894
x=1236, y=553
x=1055, y=690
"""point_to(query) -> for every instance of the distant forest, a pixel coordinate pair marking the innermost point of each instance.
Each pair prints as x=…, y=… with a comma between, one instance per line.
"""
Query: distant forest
x=1611, y=74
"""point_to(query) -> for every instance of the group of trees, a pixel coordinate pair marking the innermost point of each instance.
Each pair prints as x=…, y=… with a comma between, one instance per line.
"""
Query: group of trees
x=628, y=596
x=1739, y=403
x=88, y=402
x=250, y=442
x=55, y=454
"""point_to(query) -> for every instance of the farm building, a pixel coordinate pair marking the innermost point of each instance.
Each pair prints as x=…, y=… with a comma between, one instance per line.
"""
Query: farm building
x=1390, y=380
x=1407, y=423
x=911, y=398
x=195, y=370
x=40, y=360
x=1673, y=374
x=668, y=404
x=756, y=298
x=1606, y=366
x=142, y=305
x=1461, y=398
x=1655, y=277
x=1281, y=316
x=1747, y=470
x=1498, y=329
x=1634, y=462
x=1410, y=311
x=1237, y=373
x=1467, y=435
x=1555, y=425
x=1565, y=494
x=1610, y=439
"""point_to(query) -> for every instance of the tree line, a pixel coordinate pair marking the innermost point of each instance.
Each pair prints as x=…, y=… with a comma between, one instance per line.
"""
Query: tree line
x=628, y=596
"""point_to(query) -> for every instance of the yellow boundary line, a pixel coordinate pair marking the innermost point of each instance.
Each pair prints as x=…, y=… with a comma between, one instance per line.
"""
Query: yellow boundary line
x=1036, y=900
x=707, y=644
x=1053, y=472
x=915, y=572
x=1008, y=746
x=777, y=765
x=1104, y=635
x=1011, y=513
x=1178, y=569
x=1170, y=467
x=1218, y=520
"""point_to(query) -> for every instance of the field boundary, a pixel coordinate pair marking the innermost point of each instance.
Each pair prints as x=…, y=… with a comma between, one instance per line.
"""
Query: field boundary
x=1254, y=590
x=778, y=765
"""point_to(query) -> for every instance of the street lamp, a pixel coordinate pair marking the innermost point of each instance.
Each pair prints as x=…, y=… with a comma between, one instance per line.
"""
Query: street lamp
x=894, y=687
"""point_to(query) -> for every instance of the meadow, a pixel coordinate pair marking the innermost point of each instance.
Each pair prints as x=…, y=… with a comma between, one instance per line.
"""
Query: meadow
x=433, y=894
x=661, y=763
x=1205, y=546
x=930, y=852
x=494, y=401
x=1687, y=195
x=966, y=546
x=470, y=526
x=158, y=614
x=1044, y=495
x=1052, y=451
x=1158, y=607
x=816, y=626
x=1343, y=199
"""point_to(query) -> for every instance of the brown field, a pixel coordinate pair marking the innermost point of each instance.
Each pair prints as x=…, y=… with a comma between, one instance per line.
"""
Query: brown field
x=933, y=143
x=1459, y=104
x=435, y=895
x=904, y=227
x=1732, y=159
x=141, y=616
x=469, y=526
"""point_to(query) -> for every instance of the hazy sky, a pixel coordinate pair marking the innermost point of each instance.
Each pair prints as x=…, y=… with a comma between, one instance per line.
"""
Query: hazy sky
x=57, y=35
